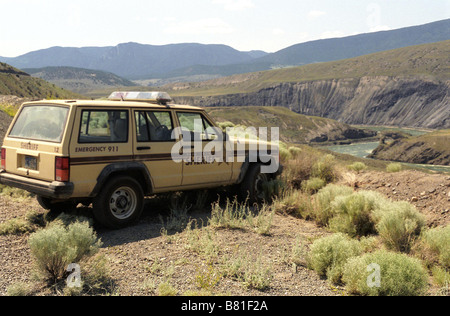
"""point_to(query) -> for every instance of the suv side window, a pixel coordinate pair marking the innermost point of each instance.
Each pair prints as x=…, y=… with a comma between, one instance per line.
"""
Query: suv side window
x=196, y=123
x=153, y=126
x=103, y=126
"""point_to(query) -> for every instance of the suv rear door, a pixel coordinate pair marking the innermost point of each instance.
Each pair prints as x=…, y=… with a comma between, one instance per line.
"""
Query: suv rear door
x=101, y=137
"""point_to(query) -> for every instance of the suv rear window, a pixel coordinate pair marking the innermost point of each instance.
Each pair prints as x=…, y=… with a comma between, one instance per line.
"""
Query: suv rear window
x=41, y=122
x=102, y=126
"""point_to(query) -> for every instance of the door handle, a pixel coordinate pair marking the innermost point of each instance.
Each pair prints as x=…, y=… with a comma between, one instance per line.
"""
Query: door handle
x=144, y=148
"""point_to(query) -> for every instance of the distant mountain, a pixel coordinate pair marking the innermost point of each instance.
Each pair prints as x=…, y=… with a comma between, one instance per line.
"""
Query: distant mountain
x=358, y=45
x=132, y=60
x=331, y=50
x=18, y=83
x=186, y=61
x=78, y=79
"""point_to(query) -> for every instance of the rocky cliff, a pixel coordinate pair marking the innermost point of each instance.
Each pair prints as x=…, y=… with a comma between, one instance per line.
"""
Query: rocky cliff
x=412, y=101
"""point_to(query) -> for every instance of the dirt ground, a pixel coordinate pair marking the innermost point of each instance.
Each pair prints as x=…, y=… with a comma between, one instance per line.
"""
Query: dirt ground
x=142, y=257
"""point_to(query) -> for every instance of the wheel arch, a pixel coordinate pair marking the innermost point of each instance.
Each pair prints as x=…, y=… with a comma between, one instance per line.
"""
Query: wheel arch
x=136, y=170
x=262, y=160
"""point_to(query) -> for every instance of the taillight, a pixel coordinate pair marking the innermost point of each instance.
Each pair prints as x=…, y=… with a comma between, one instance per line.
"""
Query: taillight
x=62, y=167
x=3, y=166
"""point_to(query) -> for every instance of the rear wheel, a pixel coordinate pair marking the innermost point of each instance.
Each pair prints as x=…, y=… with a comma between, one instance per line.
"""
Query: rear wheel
x=119, y=203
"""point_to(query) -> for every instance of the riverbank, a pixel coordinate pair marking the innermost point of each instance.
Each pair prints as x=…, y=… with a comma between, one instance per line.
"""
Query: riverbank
x=432, y=148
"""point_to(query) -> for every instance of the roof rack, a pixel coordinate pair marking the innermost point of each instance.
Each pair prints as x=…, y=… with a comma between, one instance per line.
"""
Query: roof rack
x=149, y=96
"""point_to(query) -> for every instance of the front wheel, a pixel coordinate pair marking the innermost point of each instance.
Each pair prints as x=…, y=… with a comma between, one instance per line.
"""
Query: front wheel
x=253, y=186
x=119, y=203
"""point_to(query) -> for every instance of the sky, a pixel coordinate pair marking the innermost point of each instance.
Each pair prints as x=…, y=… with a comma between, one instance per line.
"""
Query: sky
x=269, y=25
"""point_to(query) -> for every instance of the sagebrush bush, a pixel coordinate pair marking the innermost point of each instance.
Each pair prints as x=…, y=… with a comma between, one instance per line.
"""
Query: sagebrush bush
x=394, y=167
x=15, y=226
x=400, y=275
x=57, y=246
x=249, y=269
x=436, y=243
x=298, y=170
x=329, y=255
x=295, y=152
x=399, y=224
x=14, y=193
x=225, y=125
x=353, y=213
x=295, y=203
x=313, y=185
x=323, y=199
x=235, y=215
x=325, y=169
x=357, y=166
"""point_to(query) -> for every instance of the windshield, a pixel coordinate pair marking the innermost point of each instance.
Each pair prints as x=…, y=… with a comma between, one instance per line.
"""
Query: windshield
x=41, y=122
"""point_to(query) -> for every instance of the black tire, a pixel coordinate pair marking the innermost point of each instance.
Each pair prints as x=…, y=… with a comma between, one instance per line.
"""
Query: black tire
x=120, y=203
x=252, y=188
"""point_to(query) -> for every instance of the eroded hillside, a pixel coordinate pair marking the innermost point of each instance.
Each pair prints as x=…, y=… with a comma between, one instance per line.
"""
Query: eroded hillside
x=404, y=87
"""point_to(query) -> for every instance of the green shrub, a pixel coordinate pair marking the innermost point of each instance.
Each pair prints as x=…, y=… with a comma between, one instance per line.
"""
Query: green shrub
x=294, y=151
x=299, y=169
x=313, y=185
x=19, y=289
x=295, y=203
x=9, y=109
x=441, y=277
x=399, y=275
x=250, y=270
x=225, y=125
x=14, y=193
x=285, y=155
x=394, y=167
x=323, y=199
x=166, y=289
x=357, y=167
x=57, y=246
x=15, y=226
x=324, y=169
x=399, y=224
x=353, y=213
x=235, y=215
x=329, y=255
x=437, y=241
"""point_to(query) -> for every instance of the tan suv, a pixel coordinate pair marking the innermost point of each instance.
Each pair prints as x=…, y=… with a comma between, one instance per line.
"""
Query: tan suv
x=113, y=153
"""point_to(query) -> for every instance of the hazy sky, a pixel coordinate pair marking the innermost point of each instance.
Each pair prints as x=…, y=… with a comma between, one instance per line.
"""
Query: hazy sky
x=270, y=25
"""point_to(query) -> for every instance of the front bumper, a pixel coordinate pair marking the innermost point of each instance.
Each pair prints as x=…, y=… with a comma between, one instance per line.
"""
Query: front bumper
x=53, y=190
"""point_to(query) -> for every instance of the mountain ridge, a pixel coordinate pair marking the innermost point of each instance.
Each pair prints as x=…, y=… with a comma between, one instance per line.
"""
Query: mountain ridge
x=142, y=61
x=131, y=60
